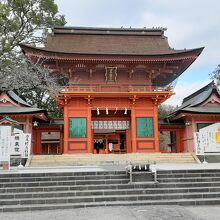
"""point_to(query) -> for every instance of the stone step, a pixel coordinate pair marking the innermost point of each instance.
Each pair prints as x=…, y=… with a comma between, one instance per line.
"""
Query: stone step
x=51, y=174
x=76, y=187
x=62, y=178
x=68, y=189
x=189, y=179
x=128, y=155
x=89, y=159
x=106, y=192
x=85, y=199
x=160, y=173
x=188, y=171
x=204, y=201
x=69, y=183
x=186, y=175
x=108, y=186
x=187, y=185
x=81, y=163
x=103, y=159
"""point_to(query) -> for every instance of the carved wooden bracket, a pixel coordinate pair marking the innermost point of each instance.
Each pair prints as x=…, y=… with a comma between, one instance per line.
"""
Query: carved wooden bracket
x=131, y=73
x=133, y=99
x=71, y=72
x=90, y=69
x=89, y=99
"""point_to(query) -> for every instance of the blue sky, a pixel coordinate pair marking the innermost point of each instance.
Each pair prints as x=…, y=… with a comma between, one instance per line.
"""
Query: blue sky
x=189, y=23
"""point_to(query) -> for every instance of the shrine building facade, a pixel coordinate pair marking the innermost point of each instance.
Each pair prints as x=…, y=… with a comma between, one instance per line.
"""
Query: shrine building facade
x=17, y=112
x=116, y=78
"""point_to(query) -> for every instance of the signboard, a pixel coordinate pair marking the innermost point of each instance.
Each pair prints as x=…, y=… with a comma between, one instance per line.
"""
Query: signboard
x=117, y=125
x=21, y=144
x=5, y=142
x=217, y=137
x=26, y=151
x=207, y=139
x=16, y=144
x=199, y=149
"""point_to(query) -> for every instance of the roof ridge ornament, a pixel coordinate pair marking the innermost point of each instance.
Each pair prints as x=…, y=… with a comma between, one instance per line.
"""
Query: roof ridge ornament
x=215, y=83
x=4, y=87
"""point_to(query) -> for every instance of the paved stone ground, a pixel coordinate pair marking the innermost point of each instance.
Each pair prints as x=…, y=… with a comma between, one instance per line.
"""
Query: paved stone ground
x=122, y=213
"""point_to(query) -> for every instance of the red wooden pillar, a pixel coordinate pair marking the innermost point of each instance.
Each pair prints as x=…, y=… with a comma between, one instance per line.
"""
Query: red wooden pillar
x=181, y=142
x=156, y=129
x=66, y=130
x=128, y=140
x=36, y=142
x=61, y=142
x=89, y=131
x=133, y=130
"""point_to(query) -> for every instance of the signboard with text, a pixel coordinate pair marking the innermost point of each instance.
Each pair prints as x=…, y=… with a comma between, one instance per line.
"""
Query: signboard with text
x=5, y=143
x=117, y=125
x=14, y=144
x=26, y=151
x=206, y=140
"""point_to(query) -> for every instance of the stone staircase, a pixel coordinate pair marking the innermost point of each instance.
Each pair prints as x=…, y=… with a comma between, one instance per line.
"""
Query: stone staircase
x=63, y=190
x=98, y=159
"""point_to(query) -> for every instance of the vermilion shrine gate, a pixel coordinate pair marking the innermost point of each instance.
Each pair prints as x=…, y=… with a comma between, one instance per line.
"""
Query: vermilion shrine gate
x=117, y=78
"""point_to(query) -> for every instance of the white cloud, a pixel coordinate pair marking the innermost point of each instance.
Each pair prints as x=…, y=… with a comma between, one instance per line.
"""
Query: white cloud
x=190, y=24
x=110, y=13
x=183, y=90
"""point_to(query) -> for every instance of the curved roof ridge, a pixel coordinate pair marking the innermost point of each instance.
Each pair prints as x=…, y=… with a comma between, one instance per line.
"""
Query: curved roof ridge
x=175, y=52
x=114, y=29
x=17, y=98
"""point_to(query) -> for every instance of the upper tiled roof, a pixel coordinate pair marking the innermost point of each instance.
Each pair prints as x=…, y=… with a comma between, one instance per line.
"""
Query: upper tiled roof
x=109, y=41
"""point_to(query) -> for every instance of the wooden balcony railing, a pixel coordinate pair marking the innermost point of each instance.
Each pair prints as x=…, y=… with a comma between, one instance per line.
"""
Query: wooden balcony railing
x=114, y=88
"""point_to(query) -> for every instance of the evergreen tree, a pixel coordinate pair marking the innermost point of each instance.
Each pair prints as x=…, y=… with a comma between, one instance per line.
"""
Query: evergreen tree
x=216, y=75
x=164, y=110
